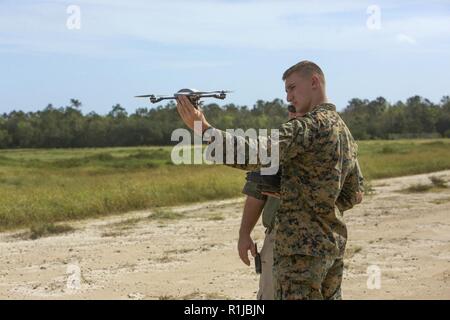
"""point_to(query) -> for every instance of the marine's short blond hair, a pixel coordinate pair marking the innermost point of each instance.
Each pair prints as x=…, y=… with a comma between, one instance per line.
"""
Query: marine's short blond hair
x=305, y=67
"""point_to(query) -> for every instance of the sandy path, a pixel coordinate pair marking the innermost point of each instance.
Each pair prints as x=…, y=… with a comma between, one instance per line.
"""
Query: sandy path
x=405, y=236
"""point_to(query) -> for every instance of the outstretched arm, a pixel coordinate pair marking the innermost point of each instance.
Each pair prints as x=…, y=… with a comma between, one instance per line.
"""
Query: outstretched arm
x=251, y=150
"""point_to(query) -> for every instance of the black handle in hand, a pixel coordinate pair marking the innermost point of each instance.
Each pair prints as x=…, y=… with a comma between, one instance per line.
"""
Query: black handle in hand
x=258, y=266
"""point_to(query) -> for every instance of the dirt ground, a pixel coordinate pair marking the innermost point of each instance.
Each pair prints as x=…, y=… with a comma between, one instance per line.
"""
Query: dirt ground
x=403, y=236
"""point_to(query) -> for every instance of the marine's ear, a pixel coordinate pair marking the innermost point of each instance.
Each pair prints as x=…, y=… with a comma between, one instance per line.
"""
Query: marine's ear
x=315, y=81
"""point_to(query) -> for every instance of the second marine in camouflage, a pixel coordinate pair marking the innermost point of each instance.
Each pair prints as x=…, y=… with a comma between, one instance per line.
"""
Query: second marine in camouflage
x=318, y=157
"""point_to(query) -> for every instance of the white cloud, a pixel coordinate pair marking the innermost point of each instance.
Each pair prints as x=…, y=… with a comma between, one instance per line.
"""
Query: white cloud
x=406, y=39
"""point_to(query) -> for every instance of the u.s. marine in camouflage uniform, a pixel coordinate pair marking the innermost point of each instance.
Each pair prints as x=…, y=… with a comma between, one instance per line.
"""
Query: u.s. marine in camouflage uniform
x=258, y=203
x=318, y=156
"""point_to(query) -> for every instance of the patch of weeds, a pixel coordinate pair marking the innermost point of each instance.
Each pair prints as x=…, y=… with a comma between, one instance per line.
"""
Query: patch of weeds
x=126, y=224
x=216, y=217
x=165, y=215
x=441, y=201
x=112, y=234
x=178, y=251
x=207, y=247
x=350, y=252
x=417, y=188
x=438, y=182
x=164, y=259
x=119, y=227
x=47, y=229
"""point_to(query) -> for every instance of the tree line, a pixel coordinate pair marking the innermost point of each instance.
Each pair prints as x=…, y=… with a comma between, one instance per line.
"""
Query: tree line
x=68, y=127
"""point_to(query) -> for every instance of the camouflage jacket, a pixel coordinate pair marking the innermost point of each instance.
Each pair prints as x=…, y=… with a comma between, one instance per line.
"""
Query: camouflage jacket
x=319, y=159
x=345, y=201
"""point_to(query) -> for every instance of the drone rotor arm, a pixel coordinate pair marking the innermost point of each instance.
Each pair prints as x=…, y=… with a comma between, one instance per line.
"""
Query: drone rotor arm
x=215, y=95
x=158, y=99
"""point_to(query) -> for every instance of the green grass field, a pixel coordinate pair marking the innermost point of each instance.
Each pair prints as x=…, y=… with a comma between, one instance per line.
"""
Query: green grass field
x=47, y=186
x=384, y=159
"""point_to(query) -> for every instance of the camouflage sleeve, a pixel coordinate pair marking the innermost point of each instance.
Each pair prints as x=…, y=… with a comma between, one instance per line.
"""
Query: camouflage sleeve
x=354, y=183
x=251, y=190
x=259, y=152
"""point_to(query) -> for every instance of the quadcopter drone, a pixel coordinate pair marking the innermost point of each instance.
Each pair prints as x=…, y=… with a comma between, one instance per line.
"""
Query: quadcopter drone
x=193, y=95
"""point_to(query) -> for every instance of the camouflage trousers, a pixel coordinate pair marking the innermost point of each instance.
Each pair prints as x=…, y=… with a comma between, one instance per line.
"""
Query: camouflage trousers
x=301, y=277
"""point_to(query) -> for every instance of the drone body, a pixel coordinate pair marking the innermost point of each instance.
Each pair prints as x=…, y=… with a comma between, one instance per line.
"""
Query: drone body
x=193, y=95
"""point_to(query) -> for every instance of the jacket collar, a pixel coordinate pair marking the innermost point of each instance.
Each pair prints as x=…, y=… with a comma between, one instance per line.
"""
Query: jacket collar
x=326, y=106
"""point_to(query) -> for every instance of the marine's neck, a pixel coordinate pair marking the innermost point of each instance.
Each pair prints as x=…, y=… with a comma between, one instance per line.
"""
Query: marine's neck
x=319, y=99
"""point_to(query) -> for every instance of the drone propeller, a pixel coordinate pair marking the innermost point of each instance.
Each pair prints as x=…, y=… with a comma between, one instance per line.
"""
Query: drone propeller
x=210, y=92
x=154, y=96
x=145, y=96
x=220, y=91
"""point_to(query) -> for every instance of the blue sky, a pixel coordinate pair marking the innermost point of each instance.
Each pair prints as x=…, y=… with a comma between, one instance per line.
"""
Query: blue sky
x=125, y=48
